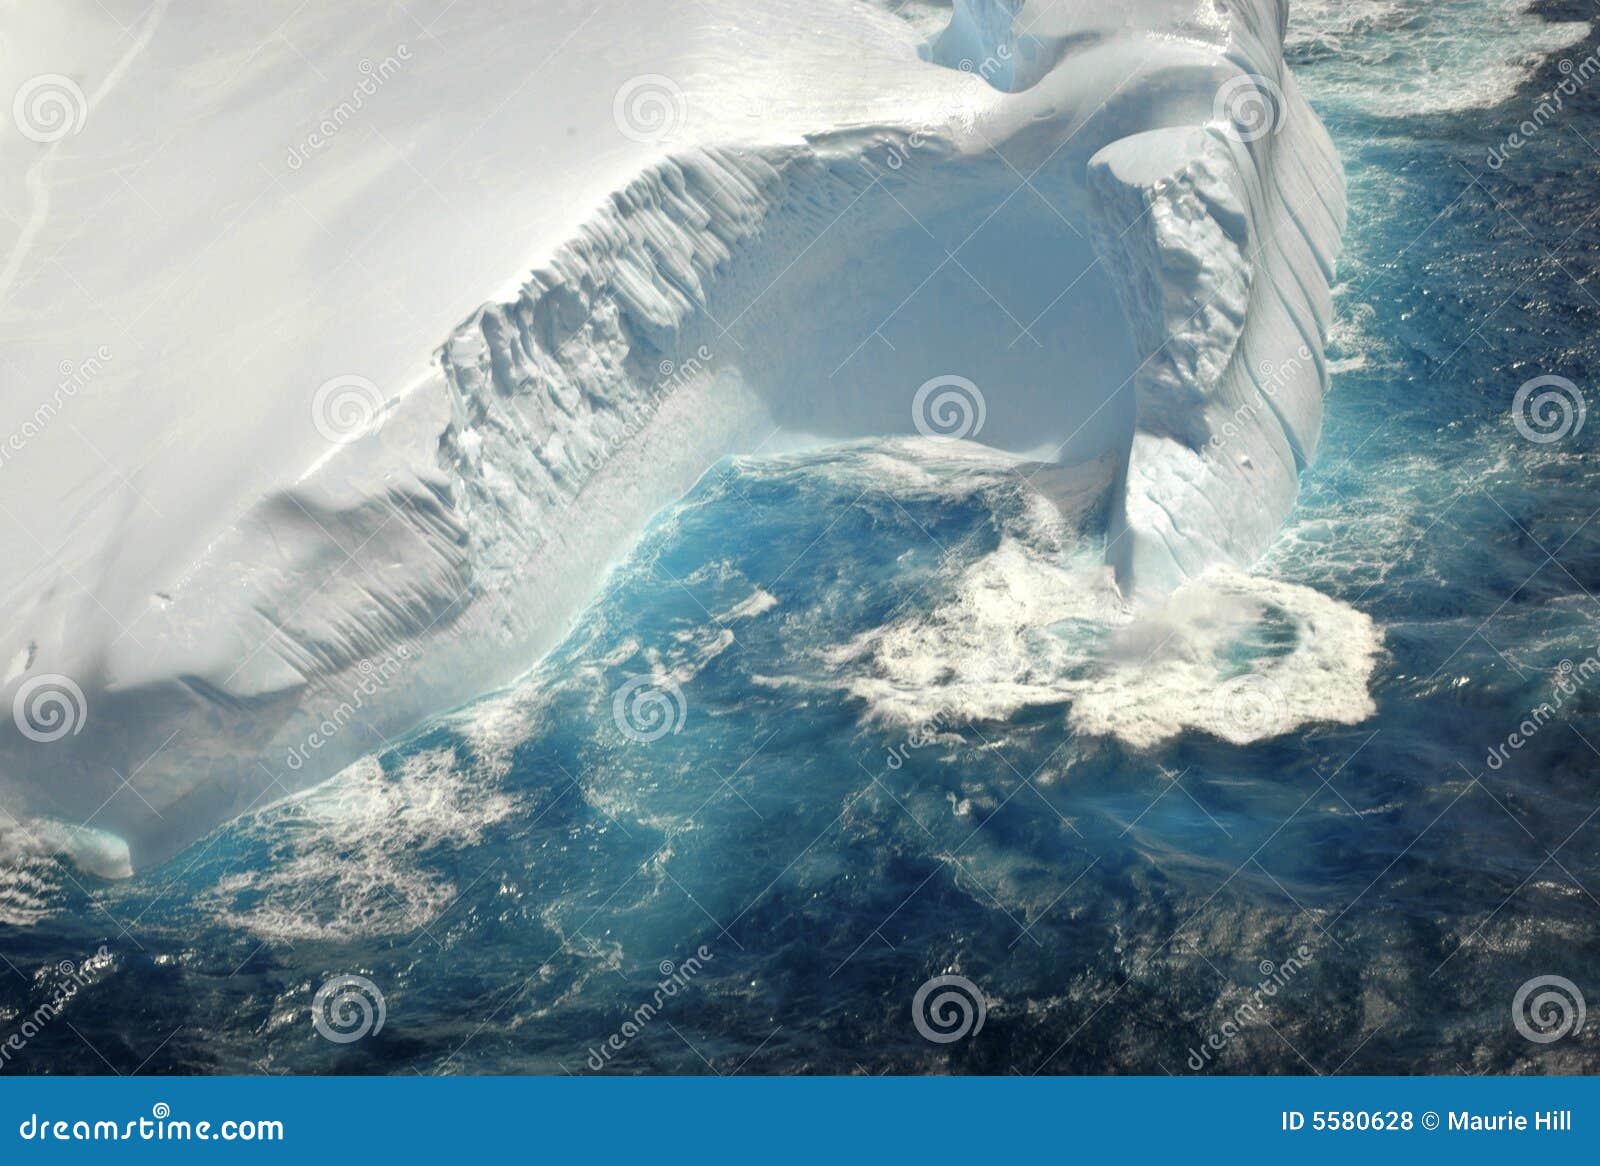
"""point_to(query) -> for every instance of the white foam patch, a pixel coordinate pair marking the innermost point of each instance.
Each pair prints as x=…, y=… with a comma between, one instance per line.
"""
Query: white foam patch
x=32, y=874
x=1238, y=656
x=1396, y=58
x=1234, y=655
x=756, y=603
x=344, y=862
x=988, y=650
x=1355, y=342
x=30, y=880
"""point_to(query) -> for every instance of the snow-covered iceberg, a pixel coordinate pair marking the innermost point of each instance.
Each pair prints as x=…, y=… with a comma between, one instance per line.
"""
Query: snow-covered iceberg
x=271, y=500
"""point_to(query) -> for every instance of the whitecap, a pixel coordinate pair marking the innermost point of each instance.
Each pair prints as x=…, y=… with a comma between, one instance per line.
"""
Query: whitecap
x=1396, y=58
x=345, y=859
x=35, y=856
x=1238, y=656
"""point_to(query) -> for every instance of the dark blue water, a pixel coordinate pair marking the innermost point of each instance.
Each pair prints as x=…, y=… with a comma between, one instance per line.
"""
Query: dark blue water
x=710, y=785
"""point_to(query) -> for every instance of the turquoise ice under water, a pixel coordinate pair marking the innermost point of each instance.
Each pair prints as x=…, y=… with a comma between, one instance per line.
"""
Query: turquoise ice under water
x=797, y=758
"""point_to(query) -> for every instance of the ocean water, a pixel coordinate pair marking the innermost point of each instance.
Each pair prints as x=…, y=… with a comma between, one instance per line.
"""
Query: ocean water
x=849, y=722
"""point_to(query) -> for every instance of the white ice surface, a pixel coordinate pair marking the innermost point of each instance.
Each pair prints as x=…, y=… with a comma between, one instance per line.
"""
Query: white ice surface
x=1045, y=199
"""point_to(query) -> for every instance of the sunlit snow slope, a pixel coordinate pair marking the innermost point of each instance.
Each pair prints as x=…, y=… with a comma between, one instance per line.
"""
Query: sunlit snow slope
x=344, y=352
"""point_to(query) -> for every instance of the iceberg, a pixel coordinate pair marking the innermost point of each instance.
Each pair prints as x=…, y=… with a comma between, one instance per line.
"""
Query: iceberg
x=346, y=351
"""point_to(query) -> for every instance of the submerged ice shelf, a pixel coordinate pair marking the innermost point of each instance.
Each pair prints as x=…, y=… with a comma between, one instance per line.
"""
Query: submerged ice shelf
x=1110, y=226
